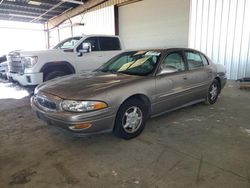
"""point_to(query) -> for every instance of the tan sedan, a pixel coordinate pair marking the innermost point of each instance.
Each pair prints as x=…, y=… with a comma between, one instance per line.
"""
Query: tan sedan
x=130, y=88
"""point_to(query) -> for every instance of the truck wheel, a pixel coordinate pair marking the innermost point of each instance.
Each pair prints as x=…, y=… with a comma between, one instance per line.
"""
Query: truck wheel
x=130, y=119
x=54, y=74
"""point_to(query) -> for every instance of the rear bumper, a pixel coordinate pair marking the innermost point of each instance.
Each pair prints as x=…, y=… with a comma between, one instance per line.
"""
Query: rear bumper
x=223, y=82
x=101, y=122
x=26, y=79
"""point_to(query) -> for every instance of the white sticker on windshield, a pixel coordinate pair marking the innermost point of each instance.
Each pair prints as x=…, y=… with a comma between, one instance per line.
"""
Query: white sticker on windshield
x=153, y=53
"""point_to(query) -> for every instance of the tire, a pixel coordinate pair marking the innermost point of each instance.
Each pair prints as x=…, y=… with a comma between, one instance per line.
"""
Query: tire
x=135, y=124
x=53, y=74
x=213, y=93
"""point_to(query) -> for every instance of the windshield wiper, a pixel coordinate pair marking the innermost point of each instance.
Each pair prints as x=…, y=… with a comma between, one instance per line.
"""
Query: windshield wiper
x=126, y=72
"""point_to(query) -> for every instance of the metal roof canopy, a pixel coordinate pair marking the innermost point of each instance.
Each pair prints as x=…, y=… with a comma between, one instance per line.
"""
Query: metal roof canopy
x=35, y=11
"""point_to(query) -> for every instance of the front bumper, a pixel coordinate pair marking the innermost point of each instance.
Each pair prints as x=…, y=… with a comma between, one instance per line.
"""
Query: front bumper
x=3, y=74
x=101, y=121
x=26, y=79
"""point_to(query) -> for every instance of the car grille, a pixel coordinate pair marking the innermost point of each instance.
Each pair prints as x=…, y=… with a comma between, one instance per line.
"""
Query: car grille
x=46, y=103
x=15, y=65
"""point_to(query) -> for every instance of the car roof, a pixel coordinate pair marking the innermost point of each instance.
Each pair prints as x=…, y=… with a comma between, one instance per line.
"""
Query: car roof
x=99, y=35
x=94, y=35
x=162, y=49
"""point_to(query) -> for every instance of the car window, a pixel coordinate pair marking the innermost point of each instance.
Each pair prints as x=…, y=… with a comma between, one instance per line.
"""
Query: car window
x=194, y=60
x=139, y=63
x=93, y=42
x=68, y=44
x=174, y=60
x=109, y=43
x=120, y=62
x=204, y=59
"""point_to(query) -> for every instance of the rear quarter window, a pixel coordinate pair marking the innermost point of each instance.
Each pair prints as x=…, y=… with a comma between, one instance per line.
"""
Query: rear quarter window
x=204, y=59
x=194, y=60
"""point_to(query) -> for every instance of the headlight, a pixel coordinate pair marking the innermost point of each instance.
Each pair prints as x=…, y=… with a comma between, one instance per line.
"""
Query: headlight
x=36, y=90
x=82, y=106
x=29, y=61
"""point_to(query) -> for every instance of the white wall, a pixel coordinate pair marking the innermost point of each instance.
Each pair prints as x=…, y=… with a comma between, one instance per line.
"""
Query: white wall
x=53, y=38
x=21, y=36
x=155, y=23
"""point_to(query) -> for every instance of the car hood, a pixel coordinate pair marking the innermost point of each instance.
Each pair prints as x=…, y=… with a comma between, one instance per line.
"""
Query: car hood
x=35, y=53
x=84, y=86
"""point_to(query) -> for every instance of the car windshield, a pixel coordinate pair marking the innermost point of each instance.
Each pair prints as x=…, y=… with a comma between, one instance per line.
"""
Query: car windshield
x=68, y=43
x=139, y=63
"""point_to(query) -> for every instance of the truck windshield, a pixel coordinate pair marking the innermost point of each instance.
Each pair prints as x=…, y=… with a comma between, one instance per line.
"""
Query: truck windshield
x=68, y=43
x=139, y=63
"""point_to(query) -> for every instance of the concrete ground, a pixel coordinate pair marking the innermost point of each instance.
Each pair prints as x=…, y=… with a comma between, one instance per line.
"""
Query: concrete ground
x=199, y=146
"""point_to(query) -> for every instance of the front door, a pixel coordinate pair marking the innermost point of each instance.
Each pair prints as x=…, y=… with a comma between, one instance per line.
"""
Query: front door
x=91, y=60
x=170, y=87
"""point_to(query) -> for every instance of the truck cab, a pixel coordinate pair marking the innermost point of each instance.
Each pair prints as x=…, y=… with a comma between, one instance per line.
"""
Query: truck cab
x=73, y=55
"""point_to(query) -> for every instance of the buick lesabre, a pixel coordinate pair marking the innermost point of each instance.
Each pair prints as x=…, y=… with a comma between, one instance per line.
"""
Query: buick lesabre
x=127, y=90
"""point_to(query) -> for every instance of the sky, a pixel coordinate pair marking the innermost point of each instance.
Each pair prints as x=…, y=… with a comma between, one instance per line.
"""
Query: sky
x=21, y=36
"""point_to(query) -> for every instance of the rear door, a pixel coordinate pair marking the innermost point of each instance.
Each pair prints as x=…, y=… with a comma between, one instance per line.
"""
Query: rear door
x=170, y=87
x=198, y=76
x=109, y=47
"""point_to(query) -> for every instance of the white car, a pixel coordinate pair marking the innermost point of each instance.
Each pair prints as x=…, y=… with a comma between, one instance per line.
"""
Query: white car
x=73, y=55
x=3, y=69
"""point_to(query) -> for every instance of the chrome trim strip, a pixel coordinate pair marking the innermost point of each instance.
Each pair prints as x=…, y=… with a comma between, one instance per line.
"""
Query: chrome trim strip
x=183, y=90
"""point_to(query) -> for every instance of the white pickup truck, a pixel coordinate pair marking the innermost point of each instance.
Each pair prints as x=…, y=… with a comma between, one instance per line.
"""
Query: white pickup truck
x=73, y=55
x=3, y=69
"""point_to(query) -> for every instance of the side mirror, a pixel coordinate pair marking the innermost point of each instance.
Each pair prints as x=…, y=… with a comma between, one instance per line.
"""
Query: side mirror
x=167, y=70
x=85, y=47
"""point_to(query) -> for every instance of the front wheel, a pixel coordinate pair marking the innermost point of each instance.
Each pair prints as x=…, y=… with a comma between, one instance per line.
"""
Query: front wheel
x=130, y=119
x=53, y=74
x=213, y=93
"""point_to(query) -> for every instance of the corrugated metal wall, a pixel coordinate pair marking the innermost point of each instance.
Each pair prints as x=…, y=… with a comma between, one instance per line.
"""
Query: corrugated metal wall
x=221, y=29
x=100, y=21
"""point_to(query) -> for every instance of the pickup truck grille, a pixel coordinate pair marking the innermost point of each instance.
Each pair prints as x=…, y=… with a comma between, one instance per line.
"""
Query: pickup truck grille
x=46, y=103
x=15, y=65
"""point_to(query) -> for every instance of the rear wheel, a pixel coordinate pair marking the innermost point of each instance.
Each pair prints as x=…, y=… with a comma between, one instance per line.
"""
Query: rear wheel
x=213, y=92
x=130, y=119
x=53, y=74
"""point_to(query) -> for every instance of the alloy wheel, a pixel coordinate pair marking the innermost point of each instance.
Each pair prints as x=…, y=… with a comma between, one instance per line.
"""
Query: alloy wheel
x=132, y=119
x=213, y=92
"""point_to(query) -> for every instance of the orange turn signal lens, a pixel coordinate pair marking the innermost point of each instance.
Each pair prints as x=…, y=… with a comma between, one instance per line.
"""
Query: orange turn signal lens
x=80, y=126
x=99, y=105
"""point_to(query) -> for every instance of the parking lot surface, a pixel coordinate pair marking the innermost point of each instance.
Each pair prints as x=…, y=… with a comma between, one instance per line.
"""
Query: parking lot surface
x=199, y=146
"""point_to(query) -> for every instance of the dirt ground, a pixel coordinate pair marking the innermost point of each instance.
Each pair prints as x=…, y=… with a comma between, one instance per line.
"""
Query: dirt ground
x=199, y=146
